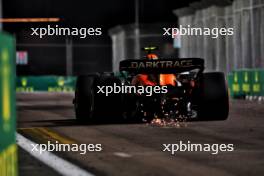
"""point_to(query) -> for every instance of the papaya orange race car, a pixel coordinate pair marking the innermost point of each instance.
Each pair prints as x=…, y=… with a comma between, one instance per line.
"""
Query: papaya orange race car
x=152, y=87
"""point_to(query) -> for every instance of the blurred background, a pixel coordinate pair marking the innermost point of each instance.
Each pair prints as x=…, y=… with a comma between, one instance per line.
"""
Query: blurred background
x=129, y=25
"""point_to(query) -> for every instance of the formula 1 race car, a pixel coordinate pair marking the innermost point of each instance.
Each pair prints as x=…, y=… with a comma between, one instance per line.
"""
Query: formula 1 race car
x=149, y=88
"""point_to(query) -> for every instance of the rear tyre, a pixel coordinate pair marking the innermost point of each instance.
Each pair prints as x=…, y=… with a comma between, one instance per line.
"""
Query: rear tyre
x=84, y=97
x=213, y=97
x=95, y=106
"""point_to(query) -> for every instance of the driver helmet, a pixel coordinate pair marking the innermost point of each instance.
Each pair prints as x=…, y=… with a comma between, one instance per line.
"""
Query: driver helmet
x=152, y=56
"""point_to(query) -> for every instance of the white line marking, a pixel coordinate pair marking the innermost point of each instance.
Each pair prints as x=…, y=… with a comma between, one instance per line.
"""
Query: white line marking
x=58, y=164
x=123, y=155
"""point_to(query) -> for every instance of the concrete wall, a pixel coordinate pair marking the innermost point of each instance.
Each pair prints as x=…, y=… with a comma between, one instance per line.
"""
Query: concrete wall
x=245, y=49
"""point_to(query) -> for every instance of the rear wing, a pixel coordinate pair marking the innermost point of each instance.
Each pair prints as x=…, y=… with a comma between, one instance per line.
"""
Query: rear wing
x=161, y=65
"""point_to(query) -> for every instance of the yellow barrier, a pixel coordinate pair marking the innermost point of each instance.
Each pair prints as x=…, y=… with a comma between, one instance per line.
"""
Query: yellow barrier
x=8, y=148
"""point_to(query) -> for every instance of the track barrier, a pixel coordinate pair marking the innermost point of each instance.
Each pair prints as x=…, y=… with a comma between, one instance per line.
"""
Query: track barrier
x=45, y=83
x=8, y=147
x=247, y=83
